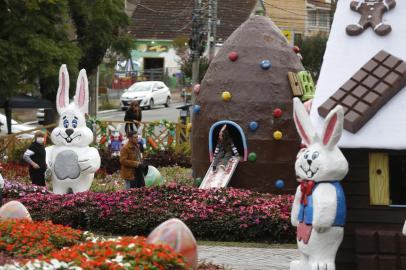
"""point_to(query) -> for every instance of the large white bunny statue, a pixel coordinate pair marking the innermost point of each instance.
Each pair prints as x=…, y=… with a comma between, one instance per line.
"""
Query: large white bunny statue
x=319, y=208
x=71, y=160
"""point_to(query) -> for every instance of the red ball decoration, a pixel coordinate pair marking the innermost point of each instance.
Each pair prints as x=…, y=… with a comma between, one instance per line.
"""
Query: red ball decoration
x=233, y=56
x=277, y=113
x=296, y=49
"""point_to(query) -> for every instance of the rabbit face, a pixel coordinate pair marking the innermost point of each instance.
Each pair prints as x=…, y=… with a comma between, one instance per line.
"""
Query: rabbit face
x=322, y=160
x=72, y=129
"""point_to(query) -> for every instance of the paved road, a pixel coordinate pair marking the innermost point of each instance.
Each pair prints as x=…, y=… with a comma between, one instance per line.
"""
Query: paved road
x=248, y=258
x=158, y=113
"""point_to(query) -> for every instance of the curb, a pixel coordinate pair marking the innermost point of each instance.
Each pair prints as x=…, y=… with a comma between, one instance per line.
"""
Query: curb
x=108, y=111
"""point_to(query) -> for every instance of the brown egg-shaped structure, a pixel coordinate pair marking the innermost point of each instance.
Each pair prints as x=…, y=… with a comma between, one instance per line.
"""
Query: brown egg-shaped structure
x=258, y=83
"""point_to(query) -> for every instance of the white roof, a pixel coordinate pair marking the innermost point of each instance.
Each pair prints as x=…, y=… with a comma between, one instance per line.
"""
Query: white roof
x=344, y=56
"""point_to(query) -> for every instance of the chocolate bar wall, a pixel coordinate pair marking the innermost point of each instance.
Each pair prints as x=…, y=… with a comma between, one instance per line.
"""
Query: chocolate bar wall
x=368, y=90
x=256, y=93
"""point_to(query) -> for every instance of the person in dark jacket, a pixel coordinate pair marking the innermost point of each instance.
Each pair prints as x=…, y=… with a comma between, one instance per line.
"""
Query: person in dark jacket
x=134, y=115
x=35, y=157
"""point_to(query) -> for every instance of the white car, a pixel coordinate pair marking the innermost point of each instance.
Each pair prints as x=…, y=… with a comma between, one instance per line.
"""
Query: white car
x=148, y=94
x=15, y=128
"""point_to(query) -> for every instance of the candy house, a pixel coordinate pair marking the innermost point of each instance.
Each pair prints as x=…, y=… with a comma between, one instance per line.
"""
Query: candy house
x=364, y=71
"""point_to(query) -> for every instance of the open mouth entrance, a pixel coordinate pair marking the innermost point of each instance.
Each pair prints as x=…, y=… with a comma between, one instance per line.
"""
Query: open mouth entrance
x=236, y=133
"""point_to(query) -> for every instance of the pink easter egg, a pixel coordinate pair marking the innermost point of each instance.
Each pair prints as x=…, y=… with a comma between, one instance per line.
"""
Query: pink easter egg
x=14, y=210
x=176, y=234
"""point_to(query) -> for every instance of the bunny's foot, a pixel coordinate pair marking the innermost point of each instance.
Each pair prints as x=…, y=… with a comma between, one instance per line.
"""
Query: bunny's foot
x=322, y=265
x=298, y=265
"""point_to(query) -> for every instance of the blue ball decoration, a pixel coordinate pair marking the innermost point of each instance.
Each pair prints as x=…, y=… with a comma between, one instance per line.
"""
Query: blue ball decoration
x=253, y=126
x=196, y=109
x=280, y=184
x=265, y=64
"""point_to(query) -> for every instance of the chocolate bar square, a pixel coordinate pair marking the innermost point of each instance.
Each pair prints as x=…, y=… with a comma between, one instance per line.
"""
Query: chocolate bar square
x=368, y=90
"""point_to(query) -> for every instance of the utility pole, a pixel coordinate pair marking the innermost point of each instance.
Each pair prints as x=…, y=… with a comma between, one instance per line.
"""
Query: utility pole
x=212, y=29
x=196, y=42
x=94, y=93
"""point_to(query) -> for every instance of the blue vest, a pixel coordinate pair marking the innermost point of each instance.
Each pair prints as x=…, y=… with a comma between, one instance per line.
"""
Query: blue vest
x=306, y=212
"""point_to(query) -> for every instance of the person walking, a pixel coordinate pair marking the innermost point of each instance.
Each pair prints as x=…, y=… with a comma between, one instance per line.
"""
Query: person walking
x=35, y=157
x=131, y=162
x=133, y=115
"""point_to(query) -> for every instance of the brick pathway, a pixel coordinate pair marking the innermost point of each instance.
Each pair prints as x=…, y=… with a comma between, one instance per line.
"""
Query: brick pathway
x=248, y=258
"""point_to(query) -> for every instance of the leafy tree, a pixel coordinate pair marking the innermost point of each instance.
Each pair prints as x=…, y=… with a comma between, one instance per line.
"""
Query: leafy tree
x=33, y=44
x=186, y=66
x=312, y=49
x=34, y=40
x=99, y=26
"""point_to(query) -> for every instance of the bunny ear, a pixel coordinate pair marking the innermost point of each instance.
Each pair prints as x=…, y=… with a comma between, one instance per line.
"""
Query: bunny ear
x=62, y=97
x=333, y=127
x=303, y=124
x=82, y=92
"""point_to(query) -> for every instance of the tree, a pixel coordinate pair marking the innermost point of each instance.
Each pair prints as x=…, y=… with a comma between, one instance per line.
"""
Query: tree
x=33, y=44
x=99, y=26
x=34, y=40
x=312, y=49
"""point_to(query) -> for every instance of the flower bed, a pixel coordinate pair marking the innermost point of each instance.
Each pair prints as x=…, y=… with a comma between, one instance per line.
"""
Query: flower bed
x=223, y=214
x=121, y=253
x=23, y=238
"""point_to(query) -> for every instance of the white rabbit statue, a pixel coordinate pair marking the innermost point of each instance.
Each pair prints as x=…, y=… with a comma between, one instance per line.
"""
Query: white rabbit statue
x=319, y=208
x=71, y=160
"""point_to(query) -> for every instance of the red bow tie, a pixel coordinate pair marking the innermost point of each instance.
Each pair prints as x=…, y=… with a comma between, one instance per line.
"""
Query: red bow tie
x=306, y=187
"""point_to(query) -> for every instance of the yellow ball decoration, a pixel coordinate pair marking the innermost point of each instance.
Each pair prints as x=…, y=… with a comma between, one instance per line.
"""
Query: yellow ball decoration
x=226, y=96
x=189, y=127
x=277, y=135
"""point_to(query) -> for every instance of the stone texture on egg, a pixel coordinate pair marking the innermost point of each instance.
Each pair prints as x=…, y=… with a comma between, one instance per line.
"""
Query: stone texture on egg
x=14, y=210
x=176, y=234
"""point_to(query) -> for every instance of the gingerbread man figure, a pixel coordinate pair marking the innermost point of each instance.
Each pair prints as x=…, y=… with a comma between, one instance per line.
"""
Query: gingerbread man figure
x=371, y=16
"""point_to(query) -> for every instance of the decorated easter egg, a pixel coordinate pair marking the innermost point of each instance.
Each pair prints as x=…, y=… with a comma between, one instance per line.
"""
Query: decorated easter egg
x=176, y=234
x=14, y=210
x=226, y=96
x=153, y=177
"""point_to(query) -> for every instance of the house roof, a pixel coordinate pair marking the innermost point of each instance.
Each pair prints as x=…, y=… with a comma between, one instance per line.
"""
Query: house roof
x=162, y=19
x=344, y=56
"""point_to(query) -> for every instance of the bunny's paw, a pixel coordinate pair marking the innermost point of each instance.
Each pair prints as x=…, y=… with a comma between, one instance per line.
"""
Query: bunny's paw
x=85, y=164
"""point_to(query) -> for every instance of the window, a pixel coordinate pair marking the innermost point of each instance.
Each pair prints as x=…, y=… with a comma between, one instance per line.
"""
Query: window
x=312, y=18
x=387, y=178
x=324, y=19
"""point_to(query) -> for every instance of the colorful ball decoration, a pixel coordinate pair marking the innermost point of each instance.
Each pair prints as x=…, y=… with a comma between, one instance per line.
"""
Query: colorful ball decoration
x=265, y=64
x=176, y=234
x=226, y=96
x=233, y=56
x=196, y=109
x=277, y=135
x=14, y=210
x=252, y=157
x=280, y=184
x=196, y=89
x=253, y=126
x=277, y=112
x=153, y=177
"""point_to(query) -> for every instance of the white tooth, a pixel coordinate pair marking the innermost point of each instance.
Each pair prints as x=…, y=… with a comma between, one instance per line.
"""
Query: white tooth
x=309, y=174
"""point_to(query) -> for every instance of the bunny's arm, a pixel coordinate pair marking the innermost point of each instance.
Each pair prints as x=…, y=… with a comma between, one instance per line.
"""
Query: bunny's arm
x=355, y=5
x=324, y=205
x=390, y=4
x=91, y=161
x=296, y=207
x=49, y=155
